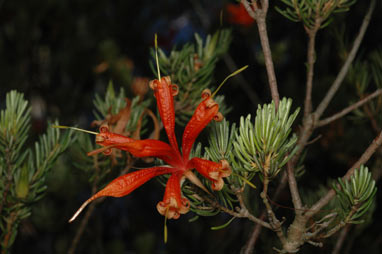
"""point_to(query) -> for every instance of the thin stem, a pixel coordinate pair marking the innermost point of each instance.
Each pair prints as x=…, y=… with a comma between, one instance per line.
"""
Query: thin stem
x=89, y=212
x=81, y=228
x=249, y=91
x=293, y=188
x=261, y=25
x=242, y=214
x=248, y=248
x=377, y=142
x=260, y=14
x=341, y=75
x=349, y=109
x=10, y=224
x=311, y=58
x=341, y=239
x=274, y=222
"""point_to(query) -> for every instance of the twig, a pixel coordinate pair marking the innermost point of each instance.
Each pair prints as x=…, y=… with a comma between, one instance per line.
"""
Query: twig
x=248, y=248
x=341, y=239
x=82, y=227
x=204, y=20
x=89, y=212
x=243, y=213
x=348, y=109
x=377, y=142
x=257, y=229
x=253, y=97
x=311, y=58
x=10, y=223
x=259, y=13
x=293, y=188
x=341, y=75
x=274, y=222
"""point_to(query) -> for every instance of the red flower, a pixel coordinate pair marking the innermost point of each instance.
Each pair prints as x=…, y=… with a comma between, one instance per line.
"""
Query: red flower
x=180, y=165
x=237, y=14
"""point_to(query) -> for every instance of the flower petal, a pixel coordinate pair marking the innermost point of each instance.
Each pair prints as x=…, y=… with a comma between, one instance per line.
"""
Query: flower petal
x=213, y=171
x=138, y=148
x=164, y=92
x=107, y=138
x=123, y=185
x=173, y=203
x=152, y=148
x=204, y=113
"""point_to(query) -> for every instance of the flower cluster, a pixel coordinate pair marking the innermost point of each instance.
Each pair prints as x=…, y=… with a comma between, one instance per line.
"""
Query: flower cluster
x=180, y=165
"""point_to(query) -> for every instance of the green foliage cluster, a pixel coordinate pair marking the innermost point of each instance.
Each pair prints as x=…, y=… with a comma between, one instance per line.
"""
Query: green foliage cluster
x=261, y=148
x=314, y=12
x=356, y=195
x=23, y=170
x=265, y=145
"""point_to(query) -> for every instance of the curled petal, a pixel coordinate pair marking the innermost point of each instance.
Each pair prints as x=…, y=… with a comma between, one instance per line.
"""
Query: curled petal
x=107, y=138
x=152, y=148
x=138, y=148
x=164, y=91
x=203, y=114
x=213, y=171
x=125, y=184
x=173, y=204
x=218, y=117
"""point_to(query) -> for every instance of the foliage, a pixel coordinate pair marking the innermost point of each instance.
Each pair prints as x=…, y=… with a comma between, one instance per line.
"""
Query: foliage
x=356, y=195
x=23, y=170
x=264, y=153
x=314, y=12
x=265, y=146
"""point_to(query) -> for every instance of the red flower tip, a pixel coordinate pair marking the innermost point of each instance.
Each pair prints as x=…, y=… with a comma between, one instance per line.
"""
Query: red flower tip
x=123, y=185
x=107, y=138
x=161, y=84
x=173, y=203
x=213, y=171
x=237, y=14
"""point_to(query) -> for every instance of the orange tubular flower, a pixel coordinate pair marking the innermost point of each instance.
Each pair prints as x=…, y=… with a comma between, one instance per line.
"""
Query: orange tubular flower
x=180, y=165
x=213, y=171
x=237, y=14
x=173, y=203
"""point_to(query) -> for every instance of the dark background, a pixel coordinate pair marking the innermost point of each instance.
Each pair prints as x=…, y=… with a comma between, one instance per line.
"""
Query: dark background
x=50, y=50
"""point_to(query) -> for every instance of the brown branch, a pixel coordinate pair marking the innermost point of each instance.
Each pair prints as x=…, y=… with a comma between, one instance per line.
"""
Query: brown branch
x=248, y=248
x=341, y=239
x=273, y=221
x=10, y=223
x=260, y=14
x=377, y=142
x=296, y=199
x=311, y=59
x=341, y=75
x=243, y=213
x=348, y=109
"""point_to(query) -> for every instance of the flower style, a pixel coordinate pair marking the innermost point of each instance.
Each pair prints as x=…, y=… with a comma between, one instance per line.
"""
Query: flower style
x=180, y=165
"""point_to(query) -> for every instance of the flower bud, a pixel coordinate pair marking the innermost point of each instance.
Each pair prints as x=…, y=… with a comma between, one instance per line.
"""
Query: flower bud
x=22, y=183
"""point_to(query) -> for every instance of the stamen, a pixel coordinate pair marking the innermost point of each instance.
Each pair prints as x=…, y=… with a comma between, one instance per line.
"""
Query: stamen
x=165, y=225
x=195, y=180
x=156, y=55
x=100, y=150
x=80, y=209
x=74, y=128
x=229, y=76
